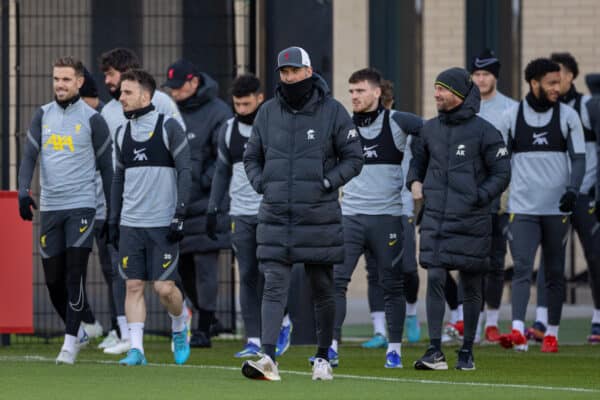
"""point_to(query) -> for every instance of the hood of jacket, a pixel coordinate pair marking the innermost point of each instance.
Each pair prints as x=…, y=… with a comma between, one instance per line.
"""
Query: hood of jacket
x=467, y=110
x=205, y=93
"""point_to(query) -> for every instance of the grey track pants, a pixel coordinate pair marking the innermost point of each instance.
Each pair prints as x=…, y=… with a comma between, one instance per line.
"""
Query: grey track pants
x=382, y=236
x=436, y=304
x=525, y=234
x=243, y=241
x=277, y=283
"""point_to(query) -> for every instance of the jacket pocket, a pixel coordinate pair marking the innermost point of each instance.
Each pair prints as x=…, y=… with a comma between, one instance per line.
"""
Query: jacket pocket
x=462, y=186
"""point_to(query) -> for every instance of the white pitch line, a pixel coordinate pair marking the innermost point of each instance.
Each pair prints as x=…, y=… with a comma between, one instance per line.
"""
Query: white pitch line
x=34, y=358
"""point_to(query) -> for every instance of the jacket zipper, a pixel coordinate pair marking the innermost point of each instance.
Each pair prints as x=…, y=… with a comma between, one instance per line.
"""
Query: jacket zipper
x=439, y=231
x=290, y=185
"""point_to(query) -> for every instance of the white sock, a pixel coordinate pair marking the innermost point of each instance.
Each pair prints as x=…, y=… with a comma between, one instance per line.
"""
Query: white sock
x=286, y=320
x=178, y=322
x=480, y=322
x=453, y=316
x=136, y=330
x=254, y=340
x=378, y=318
x=461, y=317
x=491, y=317
x=123, y=327
x=334, y=345
x=519, y=325
x=80, y=332
x=596, y=316
x=69, y=343
x=394, y=347
x=552, y=330
x=541, y=315
x=411, y=309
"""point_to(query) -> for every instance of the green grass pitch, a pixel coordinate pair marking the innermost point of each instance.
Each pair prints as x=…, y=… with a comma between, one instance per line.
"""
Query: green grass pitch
x=27, y=371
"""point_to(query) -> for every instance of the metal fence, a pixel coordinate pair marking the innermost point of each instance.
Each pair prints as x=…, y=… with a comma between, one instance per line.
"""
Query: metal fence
x=35, y=32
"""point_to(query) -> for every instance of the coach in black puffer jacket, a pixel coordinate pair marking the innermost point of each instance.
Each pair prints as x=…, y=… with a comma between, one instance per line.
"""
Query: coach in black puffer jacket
x=204, y=113
x=463, y=164
x=303, y=147
x=288, y=156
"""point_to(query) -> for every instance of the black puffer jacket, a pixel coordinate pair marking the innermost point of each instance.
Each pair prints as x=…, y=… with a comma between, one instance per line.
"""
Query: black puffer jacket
x=463, y=164
x=204, y=113
x=288, y=155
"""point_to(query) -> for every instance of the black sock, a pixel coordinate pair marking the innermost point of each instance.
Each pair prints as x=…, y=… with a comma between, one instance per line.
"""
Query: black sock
x=323, y=352
x=205, y=318
x=436, y=343
x=269, y=349
x=467, y=345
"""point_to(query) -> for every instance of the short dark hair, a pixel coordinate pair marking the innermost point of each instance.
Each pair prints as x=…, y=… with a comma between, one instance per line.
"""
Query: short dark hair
x=120, y=59
x=567, y=60
x=538, y=68
x=142, y=77
x=69, y=61
x=245, y=85
x=366, y=74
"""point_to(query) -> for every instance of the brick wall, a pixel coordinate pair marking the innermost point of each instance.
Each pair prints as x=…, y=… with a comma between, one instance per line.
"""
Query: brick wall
x=556, y=25
x=443, y=43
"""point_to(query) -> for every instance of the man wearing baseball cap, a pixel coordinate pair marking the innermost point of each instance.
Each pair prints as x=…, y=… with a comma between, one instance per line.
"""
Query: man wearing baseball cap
x=302, y=149
x=204, y=113
x=460, y=160
x=485, y=69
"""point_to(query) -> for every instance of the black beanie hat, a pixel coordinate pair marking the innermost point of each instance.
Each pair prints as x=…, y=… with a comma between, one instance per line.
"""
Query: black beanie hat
x=457, y=80
x=593, y=83
x=89, y=88
x=486, y=61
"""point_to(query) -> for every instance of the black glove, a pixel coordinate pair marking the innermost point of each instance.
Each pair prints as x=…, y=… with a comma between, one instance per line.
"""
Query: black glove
x=113, y=235
x=211, y=225
x=567, y=201
x=104, y=231
x=175, y=230
x=25, y=203
x=592, y=193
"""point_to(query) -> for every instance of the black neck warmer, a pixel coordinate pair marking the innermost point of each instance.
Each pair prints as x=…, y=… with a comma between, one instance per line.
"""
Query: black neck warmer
x=134, y=114
x=362, y=119
x=248, y=119
x=539, y=105
x=66, y=103
x=297, y=94
x=570, y=95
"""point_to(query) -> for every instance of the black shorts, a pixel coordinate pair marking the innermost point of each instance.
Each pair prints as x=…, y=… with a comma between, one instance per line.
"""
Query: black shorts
x=62, y=229
x=146, y=254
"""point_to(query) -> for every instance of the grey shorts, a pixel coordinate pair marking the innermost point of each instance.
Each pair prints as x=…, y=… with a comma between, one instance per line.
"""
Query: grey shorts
x=146, y=254
x=62, y=229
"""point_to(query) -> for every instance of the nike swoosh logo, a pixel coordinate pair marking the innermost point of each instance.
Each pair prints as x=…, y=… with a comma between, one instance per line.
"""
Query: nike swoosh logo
x=165, y=265
x=392, y=242
x=370, y=148
x=81, y=230
x=539, y=135
x=483, y=62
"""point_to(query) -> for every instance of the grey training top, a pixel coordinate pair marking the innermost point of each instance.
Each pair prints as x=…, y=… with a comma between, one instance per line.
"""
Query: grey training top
x=112, y=112
x=377, y=190
x=71, y=142
x=493, y=110
x=540, y=178
x=591, y=158
x=149, y=196
x=244, y=199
